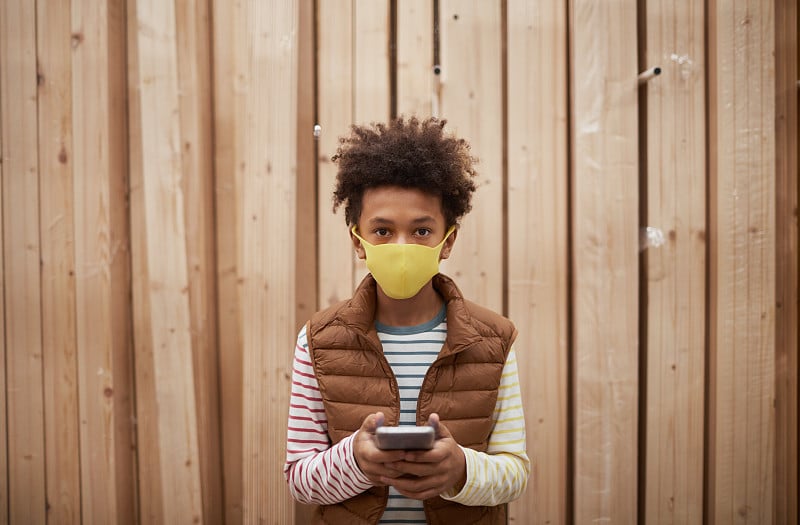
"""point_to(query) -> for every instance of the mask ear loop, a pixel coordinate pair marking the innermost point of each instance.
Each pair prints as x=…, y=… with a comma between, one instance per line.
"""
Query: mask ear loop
x=446, y=235
x=353, y=231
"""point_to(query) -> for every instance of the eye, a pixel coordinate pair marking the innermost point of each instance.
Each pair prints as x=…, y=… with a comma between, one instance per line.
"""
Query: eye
x=423, y=232
x=381, y=232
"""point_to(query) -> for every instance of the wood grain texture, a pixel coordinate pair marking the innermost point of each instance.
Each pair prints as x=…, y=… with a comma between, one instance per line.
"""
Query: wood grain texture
x=268, y=192
x=163, y=296
x=675, y=271
x=3, y=412
x=148, y=468
x=604, y=262
x=415, y=77
x=335, y=106
x=742, y=262
x=371, y=43
x=471, y=101
x=306, y=199
x=57, y=235
x=306, y=206
x=110, y=100
x=371, y=78
x=787, y=260
x=537, y=248
x=102, y=271
x=227, y=39
x=197, y=184
x=21, y=248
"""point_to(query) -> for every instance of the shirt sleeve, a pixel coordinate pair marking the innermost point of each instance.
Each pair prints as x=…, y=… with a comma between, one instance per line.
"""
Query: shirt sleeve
x=316, y=471
x=500, y=474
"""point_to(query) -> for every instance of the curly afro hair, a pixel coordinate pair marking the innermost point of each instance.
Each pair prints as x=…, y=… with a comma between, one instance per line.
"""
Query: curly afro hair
x=408, y=153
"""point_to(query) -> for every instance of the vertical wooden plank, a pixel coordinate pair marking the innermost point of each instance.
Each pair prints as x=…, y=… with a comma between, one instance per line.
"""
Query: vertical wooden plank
x=306, y=198
x=102, y=272
x=787, y=239
x=742, y=262
x=3, y=355
x=415, y=77
x=675, y=271
x=353, y=88
x=161, y=295
x=537, y=248
x=371, y=92
x=335, y=103
x=148, y=468
x=605, y=259
x=471, y=101
x=197, y=184
x=3, y=410
x=25, y=404
x=57, y=236
x=306, y=243
x=267, y=111
x=227, y=38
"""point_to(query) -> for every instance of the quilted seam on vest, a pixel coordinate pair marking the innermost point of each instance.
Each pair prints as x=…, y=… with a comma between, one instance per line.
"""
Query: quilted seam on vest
x=461, y=386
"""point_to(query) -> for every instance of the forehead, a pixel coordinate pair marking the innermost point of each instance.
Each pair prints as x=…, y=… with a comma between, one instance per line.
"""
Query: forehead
x=397, y=204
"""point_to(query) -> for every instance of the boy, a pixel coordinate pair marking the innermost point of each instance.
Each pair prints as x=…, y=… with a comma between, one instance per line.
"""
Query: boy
x=406, y=349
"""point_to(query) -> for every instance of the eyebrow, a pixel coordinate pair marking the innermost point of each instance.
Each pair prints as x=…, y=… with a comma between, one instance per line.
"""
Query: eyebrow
x=418, y=220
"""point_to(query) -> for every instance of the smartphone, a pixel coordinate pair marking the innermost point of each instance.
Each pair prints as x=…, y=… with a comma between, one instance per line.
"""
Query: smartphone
x=405, y=438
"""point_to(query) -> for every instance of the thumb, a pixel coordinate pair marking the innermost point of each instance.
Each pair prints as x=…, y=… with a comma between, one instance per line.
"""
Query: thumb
x=372, y=422
x=441, y=430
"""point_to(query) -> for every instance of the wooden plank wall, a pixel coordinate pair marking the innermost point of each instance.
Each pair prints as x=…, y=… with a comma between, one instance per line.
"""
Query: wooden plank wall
x=255, y=105
x=102, y=262
x=741, y=404
x=787, y=240
x=604, y=262
x=470, y=97
x=158, y=164
x=227, y=175
x=23, y=363
x=167, y=416
x=538, y=295
x=58, y=264
x=673, y=335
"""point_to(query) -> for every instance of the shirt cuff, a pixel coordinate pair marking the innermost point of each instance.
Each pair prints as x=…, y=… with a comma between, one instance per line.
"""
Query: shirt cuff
x=357, y=474
x=451, y=494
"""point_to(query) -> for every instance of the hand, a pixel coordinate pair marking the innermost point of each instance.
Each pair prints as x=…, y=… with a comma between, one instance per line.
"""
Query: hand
x=373, y=461
x=428, y=473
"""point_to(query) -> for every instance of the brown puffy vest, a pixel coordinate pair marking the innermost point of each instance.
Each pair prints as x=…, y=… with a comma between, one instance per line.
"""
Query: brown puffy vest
x=461, y=386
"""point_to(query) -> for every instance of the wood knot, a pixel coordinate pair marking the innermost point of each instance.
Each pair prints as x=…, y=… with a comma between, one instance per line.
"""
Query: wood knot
x=76, y=39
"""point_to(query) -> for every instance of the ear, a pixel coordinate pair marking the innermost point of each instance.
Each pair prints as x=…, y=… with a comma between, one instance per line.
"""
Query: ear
x=448, y=245
x=360, y=252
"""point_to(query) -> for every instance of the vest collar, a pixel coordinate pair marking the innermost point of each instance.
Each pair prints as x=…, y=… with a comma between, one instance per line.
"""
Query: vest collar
x=461, y=333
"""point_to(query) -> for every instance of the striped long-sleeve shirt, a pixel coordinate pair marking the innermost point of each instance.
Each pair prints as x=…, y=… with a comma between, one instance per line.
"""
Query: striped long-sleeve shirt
x=323, y=474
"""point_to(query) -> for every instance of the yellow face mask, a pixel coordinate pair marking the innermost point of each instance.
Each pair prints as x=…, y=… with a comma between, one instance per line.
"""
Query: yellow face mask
x=401, y=270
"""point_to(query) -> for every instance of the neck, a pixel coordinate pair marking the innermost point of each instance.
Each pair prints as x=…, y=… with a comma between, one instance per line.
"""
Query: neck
x=408, y=312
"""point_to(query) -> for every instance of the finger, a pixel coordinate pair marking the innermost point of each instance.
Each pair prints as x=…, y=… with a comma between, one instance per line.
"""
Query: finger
x=417, y=488
x=375, y=455
x=378, y=470
x=437, y=454
x=415, y=469
x=420, y=495
x=441, y=429
x=391, y=473
x=372, y=422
